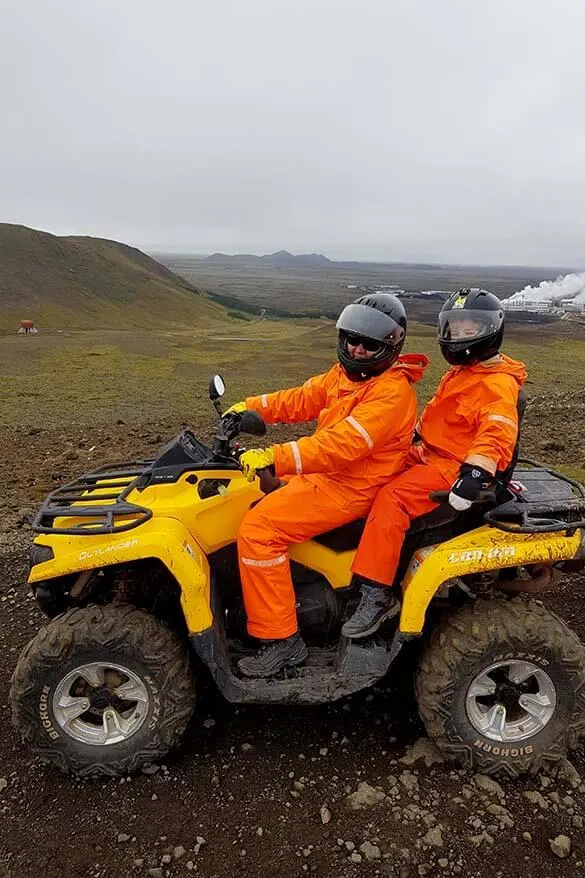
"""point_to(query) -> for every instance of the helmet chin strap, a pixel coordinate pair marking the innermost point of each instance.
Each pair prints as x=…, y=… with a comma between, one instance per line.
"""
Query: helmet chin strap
x=356, y=376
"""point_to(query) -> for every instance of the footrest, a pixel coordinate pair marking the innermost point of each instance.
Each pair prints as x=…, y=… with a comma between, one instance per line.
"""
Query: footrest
x=367, y=657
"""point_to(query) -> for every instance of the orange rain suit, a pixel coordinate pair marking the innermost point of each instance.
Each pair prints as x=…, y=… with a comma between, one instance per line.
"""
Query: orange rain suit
x=472, y=418
x=363, y=436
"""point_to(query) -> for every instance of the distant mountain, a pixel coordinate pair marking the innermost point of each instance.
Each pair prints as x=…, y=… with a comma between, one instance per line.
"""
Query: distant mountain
x=82, y=283
x=280, y=259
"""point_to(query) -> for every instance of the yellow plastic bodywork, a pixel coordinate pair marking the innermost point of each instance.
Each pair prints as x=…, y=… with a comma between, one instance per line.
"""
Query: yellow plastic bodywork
x=334, y=566
x=478, y=551
x=213, y=521
x=185, y=529
x=162, y=538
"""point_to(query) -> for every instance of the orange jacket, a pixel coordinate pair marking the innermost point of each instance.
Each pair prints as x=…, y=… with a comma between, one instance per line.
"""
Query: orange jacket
x=364, y=428
x=473, y=416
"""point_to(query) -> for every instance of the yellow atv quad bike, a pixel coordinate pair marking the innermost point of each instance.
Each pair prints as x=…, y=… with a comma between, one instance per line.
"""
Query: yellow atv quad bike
x=136, y=565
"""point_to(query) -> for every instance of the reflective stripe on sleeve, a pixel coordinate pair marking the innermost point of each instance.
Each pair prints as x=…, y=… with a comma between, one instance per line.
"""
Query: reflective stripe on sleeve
x=264, y=401
x=361, y=430
x=297, y=456
x=503, y=419
x=270, y=562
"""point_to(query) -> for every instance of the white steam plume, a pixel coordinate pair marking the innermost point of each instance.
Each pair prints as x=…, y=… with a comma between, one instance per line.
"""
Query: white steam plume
x=568, y=286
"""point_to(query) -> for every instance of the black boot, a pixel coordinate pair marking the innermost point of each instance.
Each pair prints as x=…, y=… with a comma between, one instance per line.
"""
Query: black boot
x=274, y=655
x=377, y=603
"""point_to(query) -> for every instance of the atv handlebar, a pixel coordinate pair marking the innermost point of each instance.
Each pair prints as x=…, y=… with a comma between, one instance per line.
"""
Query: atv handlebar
x=231, y=424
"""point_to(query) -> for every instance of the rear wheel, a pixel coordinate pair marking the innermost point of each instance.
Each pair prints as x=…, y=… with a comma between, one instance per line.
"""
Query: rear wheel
x=101, y=691
x=501, y=686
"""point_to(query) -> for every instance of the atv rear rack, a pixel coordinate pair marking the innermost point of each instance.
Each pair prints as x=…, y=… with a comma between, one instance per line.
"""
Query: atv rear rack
x=532, y=513
x=100, y=498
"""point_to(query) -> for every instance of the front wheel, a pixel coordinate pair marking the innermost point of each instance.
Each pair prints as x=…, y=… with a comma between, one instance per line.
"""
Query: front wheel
x=101, y=691
x=501, y=687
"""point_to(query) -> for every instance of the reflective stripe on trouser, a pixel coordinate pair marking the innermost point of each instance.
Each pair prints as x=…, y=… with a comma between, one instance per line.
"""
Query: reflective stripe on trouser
x=401, y=500
x=298, y=511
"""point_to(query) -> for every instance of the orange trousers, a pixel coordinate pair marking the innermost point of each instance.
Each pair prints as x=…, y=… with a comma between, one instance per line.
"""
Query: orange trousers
x=292, y=514
x=401, y=500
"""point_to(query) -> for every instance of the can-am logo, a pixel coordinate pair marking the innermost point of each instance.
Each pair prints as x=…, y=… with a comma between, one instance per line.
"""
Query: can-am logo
x=496, y=552
x=114, y=547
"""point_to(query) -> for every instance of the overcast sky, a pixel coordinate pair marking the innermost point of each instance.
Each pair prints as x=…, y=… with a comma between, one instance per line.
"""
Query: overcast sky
x=439, y=130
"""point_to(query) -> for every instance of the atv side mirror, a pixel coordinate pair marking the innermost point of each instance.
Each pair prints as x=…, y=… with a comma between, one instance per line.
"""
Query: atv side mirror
x=216, y=391
x=216, y=387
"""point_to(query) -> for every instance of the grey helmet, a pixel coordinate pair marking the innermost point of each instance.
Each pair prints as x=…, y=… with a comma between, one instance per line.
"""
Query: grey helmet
x=378, y=321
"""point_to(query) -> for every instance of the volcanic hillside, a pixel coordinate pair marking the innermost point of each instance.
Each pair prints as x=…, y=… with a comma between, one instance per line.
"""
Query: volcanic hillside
x=91, y=283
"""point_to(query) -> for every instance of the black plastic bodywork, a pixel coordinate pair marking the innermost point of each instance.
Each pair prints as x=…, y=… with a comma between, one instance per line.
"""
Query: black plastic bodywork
x=101, y=495
x=327, y=676
x=355, y=666
x=93, y=494
x=549, y=502
x=185, y=453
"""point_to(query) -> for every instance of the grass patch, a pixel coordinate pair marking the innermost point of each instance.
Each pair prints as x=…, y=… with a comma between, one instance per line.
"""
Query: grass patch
x=77, y=377
x=82, y=378
x=83, y=283
x=573, y=472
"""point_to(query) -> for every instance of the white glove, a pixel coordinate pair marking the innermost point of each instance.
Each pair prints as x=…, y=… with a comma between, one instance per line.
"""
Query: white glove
x=460, y=504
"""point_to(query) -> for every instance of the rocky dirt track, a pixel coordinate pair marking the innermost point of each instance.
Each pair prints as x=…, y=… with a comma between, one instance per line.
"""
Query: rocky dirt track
x=352, y=789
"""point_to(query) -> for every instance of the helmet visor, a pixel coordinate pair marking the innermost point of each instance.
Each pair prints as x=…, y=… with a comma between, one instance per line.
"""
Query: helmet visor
x=371, y=345
x=468, y=325
x=370, y=323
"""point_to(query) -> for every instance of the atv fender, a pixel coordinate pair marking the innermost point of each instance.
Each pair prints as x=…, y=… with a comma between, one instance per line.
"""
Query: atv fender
x=163, y=538
x=478, y=551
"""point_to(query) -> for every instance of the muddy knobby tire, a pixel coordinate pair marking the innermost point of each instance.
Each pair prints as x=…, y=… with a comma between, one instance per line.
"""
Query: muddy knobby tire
x=472, y=639
x=121, y=635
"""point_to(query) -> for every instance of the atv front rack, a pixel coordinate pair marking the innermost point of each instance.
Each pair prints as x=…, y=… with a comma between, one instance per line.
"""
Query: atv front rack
x=98, y=497
x=548, y=502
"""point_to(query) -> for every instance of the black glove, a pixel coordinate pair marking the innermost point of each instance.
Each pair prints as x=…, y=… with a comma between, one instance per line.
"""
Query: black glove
x=472, y=479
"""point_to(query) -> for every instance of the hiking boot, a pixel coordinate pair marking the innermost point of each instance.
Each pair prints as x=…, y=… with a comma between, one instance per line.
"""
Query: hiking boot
x=377, y=604
x=274, y=655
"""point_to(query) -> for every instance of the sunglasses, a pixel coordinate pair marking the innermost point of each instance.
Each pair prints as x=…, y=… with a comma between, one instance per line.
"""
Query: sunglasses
x=369, y=344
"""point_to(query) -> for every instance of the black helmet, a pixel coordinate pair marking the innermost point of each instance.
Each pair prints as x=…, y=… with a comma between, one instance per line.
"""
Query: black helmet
x=479, y=342
x=378, y=321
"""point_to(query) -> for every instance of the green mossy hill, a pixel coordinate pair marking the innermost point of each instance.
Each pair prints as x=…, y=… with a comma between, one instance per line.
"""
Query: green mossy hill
x=91, y=283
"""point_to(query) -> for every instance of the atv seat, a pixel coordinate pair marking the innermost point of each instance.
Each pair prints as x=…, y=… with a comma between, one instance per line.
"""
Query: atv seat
x=348, y=536
x=433, y=527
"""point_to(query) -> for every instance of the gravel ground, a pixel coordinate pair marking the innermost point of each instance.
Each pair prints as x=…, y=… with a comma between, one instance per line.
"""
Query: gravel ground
x=349, y=789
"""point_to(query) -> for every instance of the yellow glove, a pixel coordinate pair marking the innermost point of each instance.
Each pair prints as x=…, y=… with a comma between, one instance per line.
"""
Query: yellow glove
x=237, y=407
x=256, y=458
